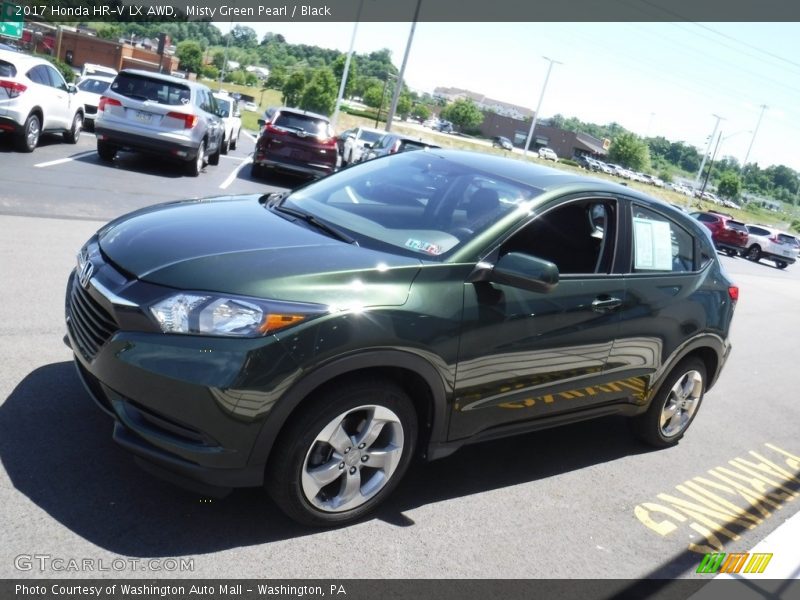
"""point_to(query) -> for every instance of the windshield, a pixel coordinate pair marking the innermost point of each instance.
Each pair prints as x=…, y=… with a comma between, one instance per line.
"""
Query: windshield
x=413, y=203
x=371, y=136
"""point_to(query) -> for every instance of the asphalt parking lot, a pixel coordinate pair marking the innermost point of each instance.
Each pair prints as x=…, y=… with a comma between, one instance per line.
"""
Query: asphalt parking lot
x=582, y=501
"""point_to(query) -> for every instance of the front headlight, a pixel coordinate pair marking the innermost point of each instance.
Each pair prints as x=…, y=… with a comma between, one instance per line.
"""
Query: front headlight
x=206, y=314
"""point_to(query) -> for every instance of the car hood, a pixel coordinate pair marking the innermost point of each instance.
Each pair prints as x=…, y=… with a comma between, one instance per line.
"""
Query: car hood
x=235, y=245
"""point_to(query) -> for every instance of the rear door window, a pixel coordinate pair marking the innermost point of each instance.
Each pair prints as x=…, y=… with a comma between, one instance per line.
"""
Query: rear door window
x=660, y=244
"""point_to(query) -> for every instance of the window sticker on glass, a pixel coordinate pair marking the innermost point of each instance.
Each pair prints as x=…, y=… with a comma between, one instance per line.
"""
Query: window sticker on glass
x=653, y=245
x=426, y=247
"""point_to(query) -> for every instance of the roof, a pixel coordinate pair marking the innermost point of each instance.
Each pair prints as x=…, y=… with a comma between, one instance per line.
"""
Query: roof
x=20, y=58
x=163, y=77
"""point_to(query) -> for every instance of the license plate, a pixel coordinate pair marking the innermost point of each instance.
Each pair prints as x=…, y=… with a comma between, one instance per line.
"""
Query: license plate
x=143, y=117
x=787, y=253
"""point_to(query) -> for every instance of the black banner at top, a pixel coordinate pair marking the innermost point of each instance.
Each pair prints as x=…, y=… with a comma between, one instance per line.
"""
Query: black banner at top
x=336, y=11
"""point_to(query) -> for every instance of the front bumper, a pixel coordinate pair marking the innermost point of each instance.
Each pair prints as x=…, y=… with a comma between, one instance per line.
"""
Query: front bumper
x=189, y=407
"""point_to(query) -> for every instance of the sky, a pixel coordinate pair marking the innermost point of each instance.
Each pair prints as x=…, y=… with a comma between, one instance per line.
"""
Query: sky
x=666, y=79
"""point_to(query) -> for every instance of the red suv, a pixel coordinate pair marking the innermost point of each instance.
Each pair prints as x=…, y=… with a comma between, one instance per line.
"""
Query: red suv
x=295, y=141
x=728, y=235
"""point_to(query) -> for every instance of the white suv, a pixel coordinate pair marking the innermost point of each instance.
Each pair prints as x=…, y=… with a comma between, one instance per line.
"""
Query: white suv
x=771, y=244
x=548, y=154
x=231, y=117
x=35, y=99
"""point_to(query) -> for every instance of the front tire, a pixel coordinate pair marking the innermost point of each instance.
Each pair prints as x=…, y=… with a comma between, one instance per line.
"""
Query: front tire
x=74, y=134
x=674, y=406
x=235, y=140
x=344, y=453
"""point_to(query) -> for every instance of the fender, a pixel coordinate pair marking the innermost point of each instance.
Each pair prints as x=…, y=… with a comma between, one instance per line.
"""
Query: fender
x=705, y=341
x=347, y=364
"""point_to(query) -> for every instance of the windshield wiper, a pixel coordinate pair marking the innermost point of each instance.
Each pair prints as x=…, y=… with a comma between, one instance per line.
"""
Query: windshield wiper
x=312, y=220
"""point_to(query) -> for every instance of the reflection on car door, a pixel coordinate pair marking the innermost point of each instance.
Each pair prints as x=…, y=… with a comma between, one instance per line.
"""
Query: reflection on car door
x=526, y=355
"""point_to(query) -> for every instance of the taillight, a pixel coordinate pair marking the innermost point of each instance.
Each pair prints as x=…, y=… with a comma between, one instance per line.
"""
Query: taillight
x=733, y=292
x=104, y=101
x=270, y=128
x=329, y=143
x=189, y=121
x=13, y=88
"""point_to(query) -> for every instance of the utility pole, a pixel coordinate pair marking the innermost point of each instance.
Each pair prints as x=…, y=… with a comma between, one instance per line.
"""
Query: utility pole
x=711, y=164
x=399, y=86
x=755, y=131
x=708, y=147
x=539, y=105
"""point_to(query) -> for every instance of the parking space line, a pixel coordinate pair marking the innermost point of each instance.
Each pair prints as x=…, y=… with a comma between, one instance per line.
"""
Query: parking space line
x=59, y=161
x=235, y=173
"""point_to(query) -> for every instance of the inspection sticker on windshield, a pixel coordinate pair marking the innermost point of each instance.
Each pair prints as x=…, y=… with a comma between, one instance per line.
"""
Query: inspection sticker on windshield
x=425, y=247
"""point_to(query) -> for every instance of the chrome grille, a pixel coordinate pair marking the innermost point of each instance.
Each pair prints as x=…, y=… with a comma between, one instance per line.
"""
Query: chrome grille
x=89, y=323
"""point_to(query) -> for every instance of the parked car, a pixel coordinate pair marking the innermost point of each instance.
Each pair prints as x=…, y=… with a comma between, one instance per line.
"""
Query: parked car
x=444, y=127
x=35, y=99
x=728, y=234
x=355, y=142
x=94, y=70
x=548, y=154
x=392, y=143
x=251, y=106
x=231, y=119
x=588, y=163
x=295, y=141
x=160, y=115
x=314, y=341
x=90, y=89
x=502, y=142
x=604, y=168
x=770, y=244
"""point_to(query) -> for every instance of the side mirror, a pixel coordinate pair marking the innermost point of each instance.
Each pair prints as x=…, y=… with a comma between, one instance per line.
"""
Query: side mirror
x=519, y=270
x=261, y=122
x=72, y=88
x=367, y=145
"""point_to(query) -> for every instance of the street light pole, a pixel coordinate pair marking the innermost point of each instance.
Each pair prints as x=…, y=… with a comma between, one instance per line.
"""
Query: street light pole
x=708, y=147
x=346, y=70
x=539, y=105
x=399, y=86
x=755, y=131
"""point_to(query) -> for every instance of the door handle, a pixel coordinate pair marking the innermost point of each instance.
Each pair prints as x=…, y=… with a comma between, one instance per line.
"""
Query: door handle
x=605, y=303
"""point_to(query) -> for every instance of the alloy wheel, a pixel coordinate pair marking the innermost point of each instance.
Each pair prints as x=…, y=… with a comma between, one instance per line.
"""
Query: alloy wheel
x=352, y=458
x=681, y=404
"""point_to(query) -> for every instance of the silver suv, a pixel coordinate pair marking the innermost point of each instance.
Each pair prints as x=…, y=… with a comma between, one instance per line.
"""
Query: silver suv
x=35, y=99
x=160, y=115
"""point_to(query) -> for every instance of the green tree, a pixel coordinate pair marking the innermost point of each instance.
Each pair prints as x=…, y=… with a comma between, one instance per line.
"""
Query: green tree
x=277, y=78
x=244, y=37
x=729, y=185
x=629, y=151
x=463, y=114
x=421, y=112
x=293, y=88
x=218, y=59
x=320, y=94
x=404, y=105
x=211, y=72
x=190, y=54
x=373, y=96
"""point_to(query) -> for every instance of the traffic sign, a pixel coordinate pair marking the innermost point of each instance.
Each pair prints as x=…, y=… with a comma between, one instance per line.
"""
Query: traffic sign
x=10, y=23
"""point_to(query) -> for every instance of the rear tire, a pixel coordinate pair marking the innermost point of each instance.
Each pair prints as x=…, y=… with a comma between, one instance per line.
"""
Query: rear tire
x=257, y=172
x=106, y=152
x=195, y=166
x=28, y=139
x=781, y=264
x=674, y=406
x=753, y=253
x=343, y=453
x=74, y=134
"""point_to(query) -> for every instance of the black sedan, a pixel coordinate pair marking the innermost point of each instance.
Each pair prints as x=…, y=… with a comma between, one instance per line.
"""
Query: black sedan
x=313, y=342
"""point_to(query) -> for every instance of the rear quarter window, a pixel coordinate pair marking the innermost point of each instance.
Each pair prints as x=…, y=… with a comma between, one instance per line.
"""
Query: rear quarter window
x=7, y=69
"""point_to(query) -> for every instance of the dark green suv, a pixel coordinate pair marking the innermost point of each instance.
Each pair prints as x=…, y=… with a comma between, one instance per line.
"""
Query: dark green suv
x=313, y=342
